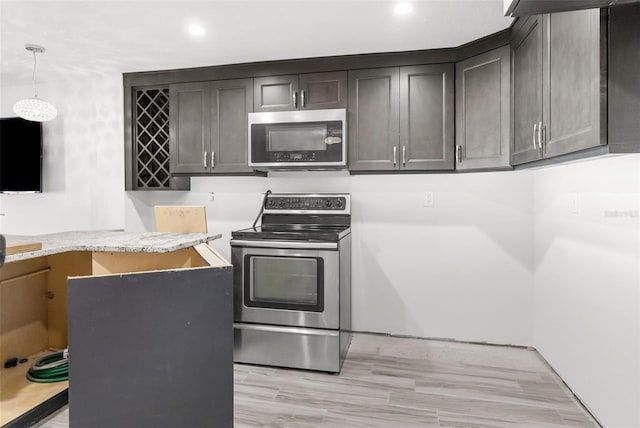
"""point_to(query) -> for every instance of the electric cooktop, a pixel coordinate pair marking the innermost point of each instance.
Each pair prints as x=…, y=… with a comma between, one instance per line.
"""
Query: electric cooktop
x=294, y=232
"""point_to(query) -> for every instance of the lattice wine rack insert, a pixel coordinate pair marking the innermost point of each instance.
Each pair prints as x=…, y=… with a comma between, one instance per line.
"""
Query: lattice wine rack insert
x=152, y=138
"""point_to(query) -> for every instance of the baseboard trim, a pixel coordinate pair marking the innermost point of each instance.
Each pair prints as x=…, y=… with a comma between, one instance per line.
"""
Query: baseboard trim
x=445, y=339
x=576, y=396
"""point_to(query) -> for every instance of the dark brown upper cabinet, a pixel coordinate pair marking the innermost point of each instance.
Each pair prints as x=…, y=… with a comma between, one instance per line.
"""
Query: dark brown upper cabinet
x=538, y=7
x=374, y=119
x=401, y=118
x=559, y=67
x=208, y=126
x=526, y=93
x=231, y=102
x=147, y=140
x=190, y=127
x=482, y=111
x=624, y=81
x=301, y=92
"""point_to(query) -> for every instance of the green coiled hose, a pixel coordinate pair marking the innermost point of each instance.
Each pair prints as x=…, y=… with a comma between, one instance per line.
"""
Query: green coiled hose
x=50, y=368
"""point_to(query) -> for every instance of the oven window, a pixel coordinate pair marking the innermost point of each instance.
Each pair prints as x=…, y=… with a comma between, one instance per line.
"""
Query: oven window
x=284, y=282
x=296, y=137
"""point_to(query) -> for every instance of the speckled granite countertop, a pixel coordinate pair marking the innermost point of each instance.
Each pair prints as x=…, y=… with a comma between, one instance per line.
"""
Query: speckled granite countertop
x=109, y=241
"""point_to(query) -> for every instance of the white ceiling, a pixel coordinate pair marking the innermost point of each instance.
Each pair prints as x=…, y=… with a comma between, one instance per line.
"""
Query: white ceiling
x=83, y=37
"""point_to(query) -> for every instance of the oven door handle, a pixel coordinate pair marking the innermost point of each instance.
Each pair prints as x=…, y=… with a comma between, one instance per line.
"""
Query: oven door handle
x=285, y=244
x=279, y=329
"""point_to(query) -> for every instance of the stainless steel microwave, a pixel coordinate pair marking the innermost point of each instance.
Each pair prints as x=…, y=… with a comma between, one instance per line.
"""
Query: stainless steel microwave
x=304, y=139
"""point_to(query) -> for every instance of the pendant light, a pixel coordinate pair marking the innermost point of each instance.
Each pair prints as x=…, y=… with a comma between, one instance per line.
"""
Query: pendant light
x=35, y=109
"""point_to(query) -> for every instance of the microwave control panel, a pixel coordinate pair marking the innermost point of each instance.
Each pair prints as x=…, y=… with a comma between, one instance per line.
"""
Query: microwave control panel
x=292, y=156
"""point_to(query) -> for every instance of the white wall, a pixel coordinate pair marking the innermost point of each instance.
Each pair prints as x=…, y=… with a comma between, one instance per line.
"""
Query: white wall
x=586, y=295
x=83, y=164
x=461, y=269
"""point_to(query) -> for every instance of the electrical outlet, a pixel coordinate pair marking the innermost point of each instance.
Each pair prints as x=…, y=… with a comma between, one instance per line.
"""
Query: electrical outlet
x=428, y=199
x=212, y=197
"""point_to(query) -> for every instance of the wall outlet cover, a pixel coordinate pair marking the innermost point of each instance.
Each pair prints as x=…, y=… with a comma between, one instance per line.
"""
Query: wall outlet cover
x=428, y=199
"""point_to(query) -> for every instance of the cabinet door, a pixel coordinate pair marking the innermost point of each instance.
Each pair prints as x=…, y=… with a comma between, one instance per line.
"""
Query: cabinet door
x=526, y=93
x=276, y=93
x=373, y=119
x=189, y=127
x=538, y=7
x=623, y=82
x=482, y=110
x=323, y=90
x=426, y=117
x=232, y=100
x=572, y=102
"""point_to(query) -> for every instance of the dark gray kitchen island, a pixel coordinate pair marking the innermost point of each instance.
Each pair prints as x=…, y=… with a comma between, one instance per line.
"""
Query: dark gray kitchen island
x=149, y=323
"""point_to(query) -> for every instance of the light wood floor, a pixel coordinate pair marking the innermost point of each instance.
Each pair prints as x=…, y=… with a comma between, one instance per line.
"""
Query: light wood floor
x=399, y=382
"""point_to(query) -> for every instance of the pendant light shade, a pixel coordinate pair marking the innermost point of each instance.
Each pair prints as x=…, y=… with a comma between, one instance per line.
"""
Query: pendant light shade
x=35, y=109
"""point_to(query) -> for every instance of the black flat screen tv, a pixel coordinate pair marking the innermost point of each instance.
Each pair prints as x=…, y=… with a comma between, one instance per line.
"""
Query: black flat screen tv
x=20, y=156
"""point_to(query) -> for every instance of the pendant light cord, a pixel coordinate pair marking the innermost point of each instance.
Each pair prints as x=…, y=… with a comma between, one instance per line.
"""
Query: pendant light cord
x=33, y=78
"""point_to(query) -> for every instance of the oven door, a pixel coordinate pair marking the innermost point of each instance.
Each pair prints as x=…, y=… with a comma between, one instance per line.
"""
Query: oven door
x=297, y=285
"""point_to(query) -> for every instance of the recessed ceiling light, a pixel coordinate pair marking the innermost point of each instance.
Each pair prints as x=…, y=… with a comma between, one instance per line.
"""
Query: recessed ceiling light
x=403, y=8
x=196, y=30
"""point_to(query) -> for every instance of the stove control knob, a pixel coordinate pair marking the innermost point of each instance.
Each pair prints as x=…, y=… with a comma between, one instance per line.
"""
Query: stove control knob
x=339, y=203
x=282, y=202
x=328, y=203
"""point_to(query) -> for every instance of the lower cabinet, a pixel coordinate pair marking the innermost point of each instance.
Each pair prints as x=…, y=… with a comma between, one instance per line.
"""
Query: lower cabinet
x=401, y=118
x=208, y=126
x=482, y=111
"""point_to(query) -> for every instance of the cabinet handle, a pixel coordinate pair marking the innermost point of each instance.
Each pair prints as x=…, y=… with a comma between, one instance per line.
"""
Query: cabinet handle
x=295, y=99
x=213, y=159
x=302, y=101
x=395, y=155
x=404, y=155
x=458, y=154
x=204, y=159
x=535, y=146
x=540, y=136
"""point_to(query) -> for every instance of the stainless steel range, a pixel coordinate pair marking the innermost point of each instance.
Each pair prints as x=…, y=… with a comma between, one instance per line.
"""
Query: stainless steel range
x=292, y=283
